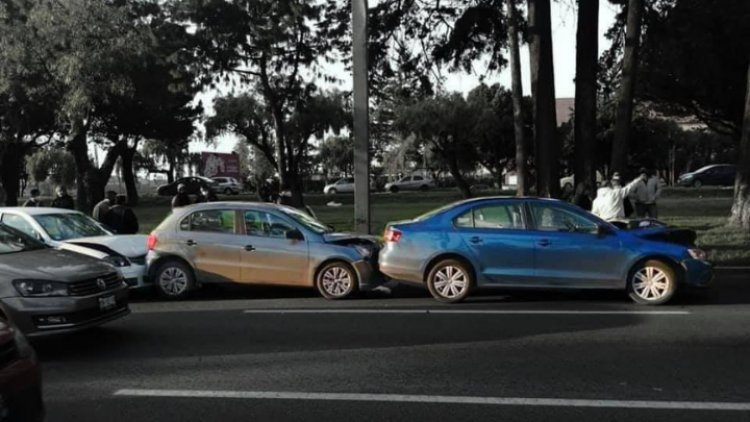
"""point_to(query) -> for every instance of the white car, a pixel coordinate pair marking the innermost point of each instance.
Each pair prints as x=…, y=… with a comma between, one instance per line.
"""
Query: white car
x=415, y=182
x=77, y=232
x=227, y=185
x=343, y=185
x=569, y=182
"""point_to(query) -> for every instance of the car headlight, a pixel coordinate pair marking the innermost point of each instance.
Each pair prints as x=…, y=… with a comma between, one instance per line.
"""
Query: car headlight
x=40, y=288
x=117, y=261
x=698, y=254
x=363, y=251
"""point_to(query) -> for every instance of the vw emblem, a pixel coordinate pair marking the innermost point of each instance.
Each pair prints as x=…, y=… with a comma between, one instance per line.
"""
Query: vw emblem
x=101, y=283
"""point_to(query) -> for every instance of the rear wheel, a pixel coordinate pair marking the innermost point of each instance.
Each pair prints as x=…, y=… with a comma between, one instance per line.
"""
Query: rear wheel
x=228, y=191
x=450, y=281
x=332, y=191
x=697, y=183
x=652, y=283
x=423, y=188
x=174, y=280
x=336, y=280
x=394, y=189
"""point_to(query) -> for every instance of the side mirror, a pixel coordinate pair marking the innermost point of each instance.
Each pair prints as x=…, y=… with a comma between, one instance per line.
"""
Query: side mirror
x=295, y=235
x=604, y=230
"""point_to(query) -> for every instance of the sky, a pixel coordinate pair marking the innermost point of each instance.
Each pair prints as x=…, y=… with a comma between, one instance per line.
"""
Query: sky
x=564, y=21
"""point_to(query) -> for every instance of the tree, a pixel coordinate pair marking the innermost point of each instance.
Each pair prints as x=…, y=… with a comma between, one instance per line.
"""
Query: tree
x=336, y=155
x=444, y=124
x=517, y=93
x=587, y=52
x=740, y=215
x=627, y=86
x=242, y=150
x=543, y=98
x=54, y=165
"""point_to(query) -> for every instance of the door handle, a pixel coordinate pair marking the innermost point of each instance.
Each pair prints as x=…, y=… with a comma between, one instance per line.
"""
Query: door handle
x=249, y=248
x=191, y=242
x=475, y=240
x=544, y=243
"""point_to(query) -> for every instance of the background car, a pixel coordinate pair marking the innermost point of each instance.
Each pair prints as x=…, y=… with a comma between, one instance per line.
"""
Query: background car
x=569, y=182
x=415, y=182
x=192, y=184
x=47, y=290
x=77, y=232
x=343, y=185
x=713, y=175
x=537, y=243
x=257, y=243
x=227, y=185
x=20, y=377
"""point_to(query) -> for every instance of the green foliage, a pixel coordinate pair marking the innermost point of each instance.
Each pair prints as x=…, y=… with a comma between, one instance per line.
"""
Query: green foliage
x=55, y=165
x=336, y=155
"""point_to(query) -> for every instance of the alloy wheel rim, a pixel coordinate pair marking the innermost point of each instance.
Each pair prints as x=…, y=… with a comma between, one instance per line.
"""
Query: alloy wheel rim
x=173, y=281
x=651, y=283
x=450, y=282
x=336, y=281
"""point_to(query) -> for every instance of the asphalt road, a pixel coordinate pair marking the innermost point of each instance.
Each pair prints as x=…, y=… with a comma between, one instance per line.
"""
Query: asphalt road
x=258, y=354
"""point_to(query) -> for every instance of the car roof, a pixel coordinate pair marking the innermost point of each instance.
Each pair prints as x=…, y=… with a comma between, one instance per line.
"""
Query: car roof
x=39, y=210
x=233, y=205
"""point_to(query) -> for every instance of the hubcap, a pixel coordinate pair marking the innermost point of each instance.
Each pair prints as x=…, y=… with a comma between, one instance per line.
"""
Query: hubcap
x=651, y=283
x=336, y=281
x=173, y=281
x=450, y=282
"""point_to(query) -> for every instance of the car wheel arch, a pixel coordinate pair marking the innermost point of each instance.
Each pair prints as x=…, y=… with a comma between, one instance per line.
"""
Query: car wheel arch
x=450, y=255
x=671, y=262
x=316, y=270
x=154, y=266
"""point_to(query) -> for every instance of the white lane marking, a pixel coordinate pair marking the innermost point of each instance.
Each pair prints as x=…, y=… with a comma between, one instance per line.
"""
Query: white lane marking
x=408, y=398
x=458, y=311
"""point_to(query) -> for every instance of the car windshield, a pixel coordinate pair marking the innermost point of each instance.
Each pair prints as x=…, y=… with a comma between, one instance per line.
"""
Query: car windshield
x=12, y=241
x=307, y=221
x=69, y=226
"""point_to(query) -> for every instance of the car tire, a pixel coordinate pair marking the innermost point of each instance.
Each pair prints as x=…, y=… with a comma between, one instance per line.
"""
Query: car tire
x=336, y=280
x=459, y=283
x=394, y=189
x=332, y=191
x=697, y=183
x=228, y=191
x=652, y=282
x=174, y=280
x=424, y=188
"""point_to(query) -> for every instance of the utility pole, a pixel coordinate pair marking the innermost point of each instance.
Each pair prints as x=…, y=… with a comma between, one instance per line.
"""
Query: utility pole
x=361, y=118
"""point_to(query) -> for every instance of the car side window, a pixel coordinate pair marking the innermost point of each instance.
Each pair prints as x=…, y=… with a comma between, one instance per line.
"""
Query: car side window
x=551, y=218
x=19, y=223
x=465, y=220
x=209, y=221
x=504, y=216
x=418, y=178
x=264, y=224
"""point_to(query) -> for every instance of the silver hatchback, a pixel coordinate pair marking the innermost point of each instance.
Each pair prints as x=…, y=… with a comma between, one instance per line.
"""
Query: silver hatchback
x=257, y=243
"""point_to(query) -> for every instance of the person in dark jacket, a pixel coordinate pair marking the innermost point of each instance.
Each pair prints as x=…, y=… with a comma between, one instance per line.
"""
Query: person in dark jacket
x=33, y=200
x=63, y=200
x=121, y=218
x=182, y=199
x=582, y=196
x=207, y=195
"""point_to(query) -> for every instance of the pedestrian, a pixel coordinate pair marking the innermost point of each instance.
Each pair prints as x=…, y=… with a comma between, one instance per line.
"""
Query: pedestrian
x=582, y=196
x=33, y=200
x=62, y=199
x=285, y=196
x=646, y=194
x=182, y=199
x=102, y=208
x=121, y=218
x=206, y=195
x=609, y=203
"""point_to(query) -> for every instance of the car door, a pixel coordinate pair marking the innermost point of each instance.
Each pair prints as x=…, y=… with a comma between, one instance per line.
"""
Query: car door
x=496, y=236
x=269, y=256
x=570, y=251
x=210, y=240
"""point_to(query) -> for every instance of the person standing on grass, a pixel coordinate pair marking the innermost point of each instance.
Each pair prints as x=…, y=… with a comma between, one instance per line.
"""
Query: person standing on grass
x=610, y=199
x=102, y=208
x=646, y=193
x=121, y=218
x=582, y=196
x=63, y=200
x=33, y=200
x=182, y=199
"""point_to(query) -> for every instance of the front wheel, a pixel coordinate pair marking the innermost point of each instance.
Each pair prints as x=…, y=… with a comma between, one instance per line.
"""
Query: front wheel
x=652, y=283
x=332, y=191
x=697, y=184
x=174, y=280
x=394, y=189
x=450, y=281
x=336, y=280
x=228, y=191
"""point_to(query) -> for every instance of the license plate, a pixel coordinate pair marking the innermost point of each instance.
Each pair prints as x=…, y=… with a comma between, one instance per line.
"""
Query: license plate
x=107, y=302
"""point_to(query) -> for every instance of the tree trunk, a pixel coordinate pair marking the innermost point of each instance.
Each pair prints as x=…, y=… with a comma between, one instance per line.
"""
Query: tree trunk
x=128, y=174
x=740, y=216
x=10, y=171
x=543, y=95
x=587, y=63
x=455, y=171
x=78, y=147
x=517, y=94
x=627, y=86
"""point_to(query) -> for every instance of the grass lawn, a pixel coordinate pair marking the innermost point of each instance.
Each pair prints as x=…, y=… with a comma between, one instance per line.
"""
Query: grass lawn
x=703, y=210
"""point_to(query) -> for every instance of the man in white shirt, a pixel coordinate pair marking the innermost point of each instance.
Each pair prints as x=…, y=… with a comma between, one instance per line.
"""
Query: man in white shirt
x=609, y=203
x=646, y=193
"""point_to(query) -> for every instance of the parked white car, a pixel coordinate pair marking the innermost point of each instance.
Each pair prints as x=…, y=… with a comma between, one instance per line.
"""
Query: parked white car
x=77, y=232
x=414, y=182
x=228, y=185
x=569, y=182
x=343, y=185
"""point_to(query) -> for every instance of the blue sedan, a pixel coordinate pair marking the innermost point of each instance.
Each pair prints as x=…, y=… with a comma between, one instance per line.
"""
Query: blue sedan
x=538, y=243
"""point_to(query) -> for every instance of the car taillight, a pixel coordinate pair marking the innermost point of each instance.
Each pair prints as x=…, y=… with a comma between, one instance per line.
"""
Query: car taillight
x=151, y=242
x=392, y=235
